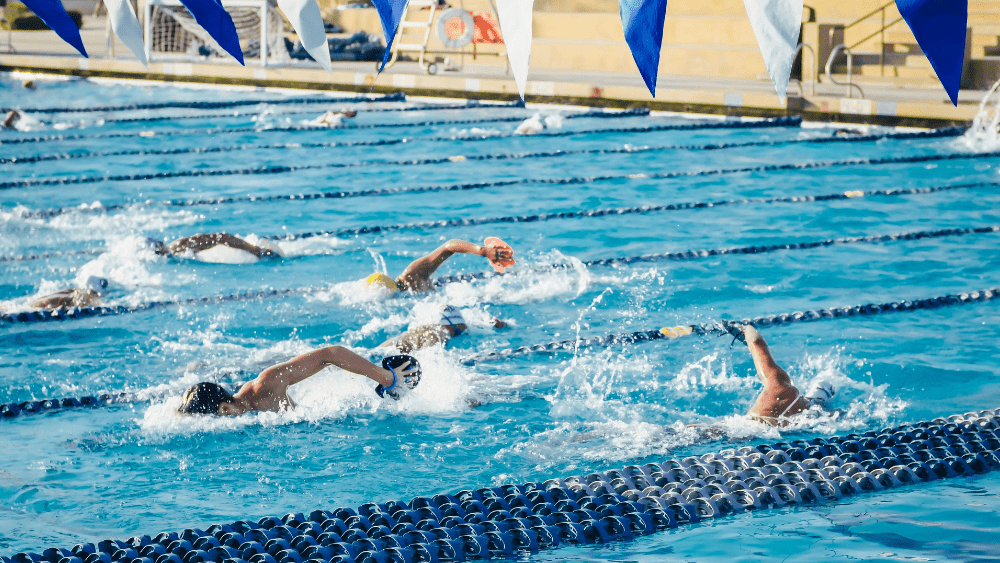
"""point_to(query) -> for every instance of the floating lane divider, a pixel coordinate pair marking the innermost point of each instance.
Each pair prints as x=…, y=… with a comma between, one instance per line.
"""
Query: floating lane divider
x=397, y=97
x=643, y=210
x=708, y=252
x=938, y=133
x=719, y=327
x=11, y=410
x=639, y=112
x=509, y=521
x=45, y=255
x=429, y=107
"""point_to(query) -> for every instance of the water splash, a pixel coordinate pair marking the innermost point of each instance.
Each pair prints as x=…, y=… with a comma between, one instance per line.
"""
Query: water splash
x=984, y=135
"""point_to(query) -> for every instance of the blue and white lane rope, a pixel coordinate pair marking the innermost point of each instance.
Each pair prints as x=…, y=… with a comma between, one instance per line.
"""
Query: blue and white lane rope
x=640, y=112
x=397, y=97
x=719, y=327
x=937, y=133
x=509, y=521
x=697, y=205
x=332, y=102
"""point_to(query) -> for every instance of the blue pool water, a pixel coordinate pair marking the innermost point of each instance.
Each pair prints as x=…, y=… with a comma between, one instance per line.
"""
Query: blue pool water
x=86, y=475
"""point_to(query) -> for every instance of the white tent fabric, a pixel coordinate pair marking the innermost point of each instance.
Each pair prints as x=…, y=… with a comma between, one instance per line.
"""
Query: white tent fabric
x=126, y=27
x=515, y=26
x=305, y=17
x=776, y=23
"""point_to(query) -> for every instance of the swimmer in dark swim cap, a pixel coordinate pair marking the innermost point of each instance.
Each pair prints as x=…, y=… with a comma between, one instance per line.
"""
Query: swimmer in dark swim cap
x=450, y=325
x=205, y=241
x=269, y=390
x=779, y=399
x=417, y=276
x=87, y=296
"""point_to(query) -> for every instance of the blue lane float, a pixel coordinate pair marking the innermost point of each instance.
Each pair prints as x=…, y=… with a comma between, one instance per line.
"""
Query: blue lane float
x=397, y=97
x=394, y=125
x=719, y=327
x=28, y=317
x=937, y=133
x=512, y=520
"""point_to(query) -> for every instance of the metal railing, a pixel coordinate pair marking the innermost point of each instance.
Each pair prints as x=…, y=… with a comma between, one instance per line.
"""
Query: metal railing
x=801, y=47
x=850, y=64
x=881, y=10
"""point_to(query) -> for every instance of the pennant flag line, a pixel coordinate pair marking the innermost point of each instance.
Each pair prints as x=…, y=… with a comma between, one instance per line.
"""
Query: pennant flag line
x=940, y=27
x=515, y=26
x=211, y=16
x=777, y=24
x=126, y=27
x=390, y=12
x=305, y=17
x=642, y=22
x=54, y=15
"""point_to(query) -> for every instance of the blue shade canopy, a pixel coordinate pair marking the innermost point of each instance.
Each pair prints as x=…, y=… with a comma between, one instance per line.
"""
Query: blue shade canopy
x=54, y=15
x=939, y=27
x=642, y=22
x=211, y=16
x=390, y=12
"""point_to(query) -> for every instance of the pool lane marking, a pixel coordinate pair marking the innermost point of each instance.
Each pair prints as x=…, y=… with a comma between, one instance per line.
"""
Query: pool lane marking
x=639, y=112
x=86, y=312
x=937, y=133
x=719, y=327
x=397, y=97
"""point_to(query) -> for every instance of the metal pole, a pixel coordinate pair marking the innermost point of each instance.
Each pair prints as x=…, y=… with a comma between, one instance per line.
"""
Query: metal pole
x=147, y=29
x=881, y=53
x=263, y=35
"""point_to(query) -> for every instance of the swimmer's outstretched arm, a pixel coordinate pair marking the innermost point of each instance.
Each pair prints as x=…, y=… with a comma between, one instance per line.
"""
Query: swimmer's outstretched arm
x=199, y=242
x=276, y=379
x=767, y=369
x=416, y=276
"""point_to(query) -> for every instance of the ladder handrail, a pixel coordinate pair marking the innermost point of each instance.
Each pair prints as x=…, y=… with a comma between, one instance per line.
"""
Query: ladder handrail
x=850, y=63
x=870, y=14
x=885, y=27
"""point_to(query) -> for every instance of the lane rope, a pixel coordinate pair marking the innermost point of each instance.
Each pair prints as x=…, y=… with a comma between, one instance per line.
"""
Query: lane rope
x=773, y=122
x=512, y=521
x=671, y=207
x=639, y=112
x=709, y=252
x=630, y=149
x=397, y=97
x=719, y=327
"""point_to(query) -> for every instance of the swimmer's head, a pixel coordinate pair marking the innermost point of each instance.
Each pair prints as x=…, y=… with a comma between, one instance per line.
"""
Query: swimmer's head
x=820, y=393
x=156, y=245
x=96, y=284
x=204, y=398
x=451, y=316
x=379, y=279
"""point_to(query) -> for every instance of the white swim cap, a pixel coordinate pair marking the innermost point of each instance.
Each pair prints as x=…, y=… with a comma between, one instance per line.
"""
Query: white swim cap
x=451, y=316
x=96, y=284
x=820, y=393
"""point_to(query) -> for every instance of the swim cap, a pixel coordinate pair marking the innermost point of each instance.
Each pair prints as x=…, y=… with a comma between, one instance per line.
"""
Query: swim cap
x=452, y=316
x=382, y=280
x=96, y=284
x=204, y=398
x=410, y=381
x=155, y=244
x=820, y=393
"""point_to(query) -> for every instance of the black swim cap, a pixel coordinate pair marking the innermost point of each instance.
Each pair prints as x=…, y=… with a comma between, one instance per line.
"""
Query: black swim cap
x=204, y=398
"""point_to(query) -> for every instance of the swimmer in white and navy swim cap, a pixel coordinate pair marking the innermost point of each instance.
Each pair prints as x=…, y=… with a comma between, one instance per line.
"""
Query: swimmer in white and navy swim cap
x=87, y=296
x=450, y=324
x=779, y=399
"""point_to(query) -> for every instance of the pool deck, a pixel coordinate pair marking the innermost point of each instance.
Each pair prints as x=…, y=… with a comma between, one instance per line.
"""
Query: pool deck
x=885, y=103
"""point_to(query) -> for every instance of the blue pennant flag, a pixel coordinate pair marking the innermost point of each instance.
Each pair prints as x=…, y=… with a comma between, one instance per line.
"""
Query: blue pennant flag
x=214, y=19
x=54, y=15
x=642, y=22
x=939, y=27
x=390, y=12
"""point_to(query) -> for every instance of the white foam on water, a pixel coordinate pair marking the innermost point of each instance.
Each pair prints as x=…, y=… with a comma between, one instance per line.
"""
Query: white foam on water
x=984, y=135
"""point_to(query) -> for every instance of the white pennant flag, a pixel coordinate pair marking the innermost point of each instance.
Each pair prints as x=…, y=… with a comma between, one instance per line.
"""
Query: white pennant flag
x=515, y=26
x=126, y=27
x=308, y=23
x=776, y=23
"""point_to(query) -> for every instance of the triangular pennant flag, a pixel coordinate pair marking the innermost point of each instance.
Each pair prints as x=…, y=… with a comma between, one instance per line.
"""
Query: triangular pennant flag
x=642, y=22
x=939, y=27
x=214, y=19
x=777, y=24
x=54, y=15
x=515, y=26
x=126, y=27
x=305, y=17
x=390, y=12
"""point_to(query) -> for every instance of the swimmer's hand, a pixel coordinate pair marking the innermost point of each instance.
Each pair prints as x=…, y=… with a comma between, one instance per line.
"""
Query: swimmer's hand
x=737, y=330
x=407, y=375
x=499, y=253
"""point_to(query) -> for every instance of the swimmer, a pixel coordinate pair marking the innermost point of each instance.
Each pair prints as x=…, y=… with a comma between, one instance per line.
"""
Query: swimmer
x=417, y=276
x=780, y=399
x=202, y=242
x=10, y=122
x=269, y=390
x=333, y=118
x=87, y=296
x=451, y=324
